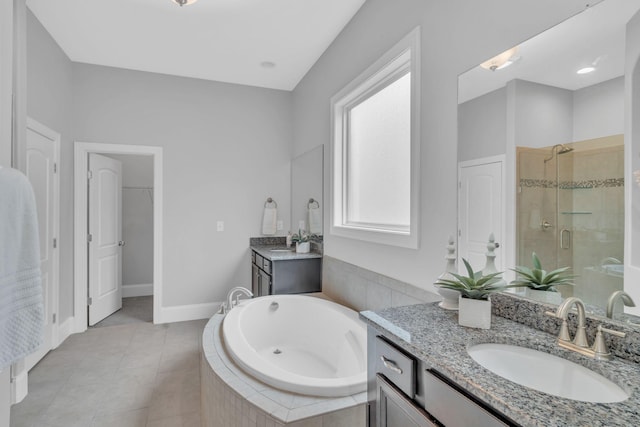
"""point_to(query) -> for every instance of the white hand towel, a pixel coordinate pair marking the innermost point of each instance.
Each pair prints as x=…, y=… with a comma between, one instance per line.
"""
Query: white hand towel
x=21, y=304
x=315, y=220
x=269, y=219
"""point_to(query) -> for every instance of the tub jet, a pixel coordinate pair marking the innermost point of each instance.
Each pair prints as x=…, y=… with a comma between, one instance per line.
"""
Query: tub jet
x=277, y=351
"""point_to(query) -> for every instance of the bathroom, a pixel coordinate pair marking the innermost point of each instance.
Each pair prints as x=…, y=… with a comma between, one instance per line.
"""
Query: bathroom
x=218, y=169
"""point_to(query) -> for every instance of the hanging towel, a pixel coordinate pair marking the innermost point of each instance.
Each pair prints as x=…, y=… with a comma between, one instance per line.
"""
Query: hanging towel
x=269, y=220
x=21, y=304
x=315, y=219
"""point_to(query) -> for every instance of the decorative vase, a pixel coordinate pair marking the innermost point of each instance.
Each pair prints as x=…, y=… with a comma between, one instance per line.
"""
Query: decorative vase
x=474, y=313
x=303, y=247
x=449, y=296
x=543, y=296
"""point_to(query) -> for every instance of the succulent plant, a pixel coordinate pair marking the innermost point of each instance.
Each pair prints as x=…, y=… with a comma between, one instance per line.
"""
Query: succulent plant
x=474, y=285
x=540, y=280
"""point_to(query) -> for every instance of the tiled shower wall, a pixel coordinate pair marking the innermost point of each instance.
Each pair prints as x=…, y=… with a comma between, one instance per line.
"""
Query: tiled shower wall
x=362, y=289
x=591, y=197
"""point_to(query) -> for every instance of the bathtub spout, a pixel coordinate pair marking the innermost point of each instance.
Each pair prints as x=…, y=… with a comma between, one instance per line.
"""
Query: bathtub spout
x=237, y=290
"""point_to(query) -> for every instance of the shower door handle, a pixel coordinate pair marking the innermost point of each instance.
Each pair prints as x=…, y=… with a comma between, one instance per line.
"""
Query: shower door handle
x=568, y=239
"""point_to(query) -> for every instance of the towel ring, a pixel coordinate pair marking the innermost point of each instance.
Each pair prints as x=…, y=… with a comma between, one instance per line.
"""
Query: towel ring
x=313, y=204
x=270, y=201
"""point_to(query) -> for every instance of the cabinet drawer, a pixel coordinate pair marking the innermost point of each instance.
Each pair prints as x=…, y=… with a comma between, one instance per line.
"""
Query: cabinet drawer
x=397, y=366
x=266, y=265
x=453, y=408
x=258, y=260
x=253, y=257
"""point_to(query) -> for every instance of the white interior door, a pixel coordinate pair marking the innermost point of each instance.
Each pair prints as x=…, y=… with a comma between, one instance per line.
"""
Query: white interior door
x=41, y=169
x=481, y=211
x=105, y=241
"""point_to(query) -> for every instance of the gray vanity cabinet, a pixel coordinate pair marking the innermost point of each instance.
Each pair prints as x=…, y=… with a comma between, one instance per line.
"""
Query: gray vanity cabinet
x=272, y=276
x=409, y=393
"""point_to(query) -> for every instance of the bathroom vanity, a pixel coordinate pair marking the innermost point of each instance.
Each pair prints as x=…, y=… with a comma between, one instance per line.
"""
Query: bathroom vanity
x=277, y=270
x=421, y=374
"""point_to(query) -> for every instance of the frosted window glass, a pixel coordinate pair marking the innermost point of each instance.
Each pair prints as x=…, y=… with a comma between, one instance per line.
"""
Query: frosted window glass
x=379, y=158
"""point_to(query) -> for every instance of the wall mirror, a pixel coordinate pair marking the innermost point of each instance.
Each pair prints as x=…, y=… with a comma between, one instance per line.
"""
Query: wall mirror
x=306, y=191
x=554, y=106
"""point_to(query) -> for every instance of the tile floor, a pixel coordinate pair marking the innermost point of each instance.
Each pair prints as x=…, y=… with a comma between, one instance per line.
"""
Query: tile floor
x=134, y=310
x=136, y=374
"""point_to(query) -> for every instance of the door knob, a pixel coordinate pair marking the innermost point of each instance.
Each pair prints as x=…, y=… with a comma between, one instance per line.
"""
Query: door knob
x=121, y=243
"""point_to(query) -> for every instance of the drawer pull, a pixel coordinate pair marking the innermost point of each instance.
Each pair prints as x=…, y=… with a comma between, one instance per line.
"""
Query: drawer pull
x=390, y=365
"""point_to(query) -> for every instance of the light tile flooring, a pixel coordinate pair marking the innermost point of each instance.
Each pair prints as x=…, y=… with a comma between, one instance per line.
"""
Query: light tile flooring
x=134, y=309
x=137, y=374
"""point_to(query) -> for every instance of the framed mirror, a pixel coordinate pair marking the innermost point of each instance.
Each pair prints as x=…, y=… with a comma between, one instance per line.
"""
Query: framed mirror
x=555, y=107
x=307, y=191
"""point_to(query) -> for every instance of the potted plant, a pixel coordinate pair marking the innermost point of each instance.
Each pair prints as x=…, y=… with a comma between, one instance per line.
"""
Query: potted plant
x=302, y=241
x=475, y=288
x=540, y=284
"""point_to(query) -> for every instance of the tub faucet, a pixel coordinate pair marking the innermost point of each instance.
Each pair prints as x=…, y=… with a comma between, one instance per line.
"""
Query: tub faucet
x=580, y=344
x=237, y=290
x=626, y=300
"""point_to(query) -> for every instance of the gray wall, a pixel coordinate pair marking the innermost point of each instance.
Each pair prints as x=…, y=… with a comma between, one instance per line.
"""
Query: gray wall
x=482, y=126
x=543, y=115
x=137, y=220
x=226, y=149
x=456, y=35
x=49, y=98
x=598, y=110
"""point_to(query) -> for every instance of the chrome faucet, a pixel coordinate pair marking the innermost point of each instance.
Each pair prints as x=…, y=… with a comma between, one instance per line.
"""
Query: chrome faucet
x=580, y=343
x=626, y=300
x=237, y=290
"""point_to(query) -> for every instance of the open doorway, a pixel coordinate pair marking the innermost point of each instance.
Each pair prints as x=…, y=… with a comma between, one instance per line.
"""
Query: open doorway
x=140, y=195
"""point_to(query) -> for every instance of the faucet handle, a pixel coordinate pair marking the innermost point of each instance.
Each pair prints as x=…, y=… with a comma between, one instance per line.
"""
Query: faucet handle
x=601, y=352
x=564, y=328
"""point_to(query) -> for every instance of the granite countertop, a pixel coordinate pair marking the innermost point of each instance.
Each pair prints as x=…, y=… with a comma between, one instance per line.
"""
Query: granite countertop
x=434, y=336
x=280, y=253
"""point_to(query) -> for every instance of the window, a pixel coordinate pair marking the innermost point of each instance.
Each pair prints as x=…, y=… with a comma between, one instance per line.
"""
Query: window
x=375, y=150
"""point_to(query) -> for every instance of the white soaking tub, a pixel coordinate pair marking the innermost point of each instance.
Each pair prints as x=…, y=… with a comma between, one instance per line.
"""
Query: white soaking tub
x=300, y=344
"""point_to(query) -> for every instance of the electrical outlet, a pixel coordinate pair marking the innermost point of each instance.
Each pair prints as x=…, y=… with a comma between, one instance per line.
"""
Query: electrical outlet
x=279, y=225
x=220, y=225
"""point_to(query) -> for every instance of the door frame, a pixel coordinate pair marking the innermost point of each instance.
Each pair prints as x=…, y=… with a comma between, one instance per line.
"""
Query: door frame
x=506, y=243
x=80, y=205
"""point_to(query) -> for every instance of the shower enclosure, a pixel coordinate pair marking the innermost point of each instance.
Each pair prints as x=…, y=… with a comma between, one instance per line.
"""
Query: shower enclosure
x=570, y=211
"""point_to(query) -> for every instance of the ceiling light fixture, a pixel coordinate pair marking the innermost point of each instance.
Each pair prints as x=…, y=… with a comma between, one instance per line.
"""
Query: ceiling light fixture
x=586, y=70
x=501, y=61
x=184, y=2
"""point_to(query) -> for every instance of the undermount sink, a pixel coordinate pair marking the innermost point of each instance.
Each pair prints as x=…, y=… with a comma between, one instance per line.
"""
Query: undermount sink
x=546, y=373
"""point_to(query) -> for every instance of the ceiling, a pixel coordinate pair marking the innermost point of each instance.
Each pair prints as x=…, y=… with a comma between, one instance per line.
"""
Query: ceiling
x=596, y=35
x=221, y=40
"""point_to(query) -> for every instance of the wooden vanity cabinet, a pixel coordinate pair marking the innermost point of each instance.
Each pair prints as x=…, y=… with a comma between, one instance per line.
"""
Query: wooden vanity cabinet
x=286, y=276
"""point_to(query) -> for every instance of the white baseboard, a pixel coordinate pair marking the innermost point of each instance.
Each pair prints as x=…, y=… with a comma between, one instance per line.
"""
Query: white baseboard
x=183, y=313
x=138, y=290
x=19, y=386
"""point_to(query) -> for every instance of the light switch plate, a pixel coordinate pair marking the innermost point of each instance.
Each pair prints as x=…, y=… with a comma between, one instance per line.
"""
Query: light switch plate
x=279, y=225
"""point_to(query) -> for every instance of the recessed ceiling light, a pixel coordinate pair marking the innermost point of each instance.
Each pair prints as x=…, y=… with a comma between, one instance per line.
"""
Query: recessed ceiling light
x=184, y=2
x=501, y=61
x=268, y=64
x=586, y=70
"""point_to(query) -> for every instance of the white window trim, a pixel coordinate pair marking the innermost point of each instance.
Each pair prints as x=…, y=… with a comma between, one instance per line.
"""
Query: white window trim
x=360, y=88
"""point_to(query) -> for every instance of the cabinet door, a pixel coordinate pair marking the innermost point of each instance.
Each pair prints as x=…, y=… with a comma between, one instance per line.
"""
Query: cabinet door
x=265, y=284
x=395, y=409
x=255, y=280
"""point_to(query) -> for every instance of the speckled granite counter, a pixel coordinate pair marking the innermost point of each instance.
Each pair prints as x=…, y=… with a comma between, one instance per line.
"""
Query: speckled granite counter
x=281, y=253
x=434, y=336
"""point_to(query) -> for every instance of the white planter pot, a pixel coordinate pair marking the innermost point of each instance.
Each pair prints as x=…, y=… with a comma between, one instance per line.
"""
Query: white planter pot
x=449, y=298
x=303, y=247
x=543, y=296
x=474, y=313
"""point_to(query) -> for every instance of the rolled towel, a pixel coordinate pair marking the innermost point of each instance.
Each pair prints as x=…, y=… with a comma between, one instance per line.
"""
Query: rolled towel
x=269, y=219
x=315, y=220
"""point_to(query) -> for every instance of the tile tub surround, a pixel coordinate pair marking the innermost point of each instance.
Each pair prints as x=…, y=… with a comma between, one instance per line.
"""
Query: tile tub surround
x=531, y=313
x=434, y=336
x=362, y=289
x=231, y=397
